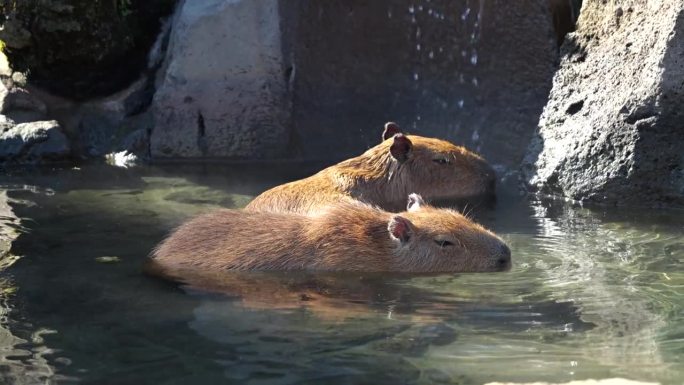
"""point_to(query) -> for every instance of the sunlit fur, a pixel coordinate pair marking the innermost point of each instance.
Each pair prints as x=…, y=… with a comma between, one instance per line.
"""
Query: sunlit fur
x=377, y=178
x=347, y=236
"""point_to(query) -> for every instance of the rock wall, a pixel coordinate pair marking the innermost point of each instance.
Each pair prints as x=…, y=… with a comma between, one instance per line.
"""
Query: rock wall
x=80, y=48
x=612, y=129
x=316, y=80
x=223, y=90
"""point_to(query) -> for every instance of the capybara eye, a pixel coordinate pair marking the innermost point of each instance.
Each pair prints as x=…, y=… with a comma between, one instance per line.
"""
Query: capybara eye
x=441, y=161
x=443, y=243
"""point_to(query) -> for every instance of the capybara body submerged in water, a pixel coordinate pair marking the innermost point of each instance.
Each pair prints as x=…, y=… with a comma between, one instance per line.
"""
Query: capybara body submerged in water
x=347, y=236
x=385, y=174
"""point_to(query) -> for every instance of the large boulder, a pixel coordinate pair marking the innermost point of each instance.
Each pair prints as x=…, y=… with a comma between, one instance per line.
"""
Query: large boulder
x=80, y=48
x=19, y=105
x=223, y=89
x=34, y=142
x=316, y=80
x=612, y=130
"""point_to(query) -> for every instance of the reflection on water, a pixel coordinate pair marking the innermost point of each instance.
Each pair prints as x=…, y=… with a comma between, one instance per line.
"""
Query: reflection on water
x=592, y=294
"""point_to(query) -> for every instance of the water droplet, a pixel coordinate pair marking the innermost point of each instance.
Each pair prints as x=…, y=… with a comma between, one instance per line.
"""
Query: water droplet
x=431, y=55
x=461, y=78
x=417, y=47
x=476, y=136
x=418, y=33
x=415, y=76
x=430, y=11
x=464, y=53
x=473, y=58
x=411, y=9
x=389, y=14
x=441, y=49
x=475, y=82
x=418, y=117
x=465, y=14
x=420, y=8
x=460, y=103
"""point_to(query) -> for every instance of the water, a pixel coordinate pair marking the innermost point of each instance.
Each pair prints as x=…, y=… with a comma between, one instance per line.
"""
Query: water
x=594, y=293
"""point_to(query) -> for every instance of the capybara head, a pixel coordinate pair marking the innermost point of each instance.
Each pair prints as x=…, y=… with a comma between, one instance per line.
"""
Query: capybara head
x=437, y=169
x=441, y=240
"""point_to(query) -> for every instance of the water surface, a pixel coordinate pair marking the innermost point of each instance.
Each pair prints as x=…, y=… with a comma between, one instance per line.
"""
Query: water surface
x=594, y=293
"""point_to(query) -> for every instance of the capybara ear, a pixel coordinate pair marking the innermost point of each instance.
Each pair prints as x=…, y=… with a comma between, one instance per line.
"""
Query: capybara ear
x=401, y=147
x=391, y=129
x=400, y=228
x=415, y=201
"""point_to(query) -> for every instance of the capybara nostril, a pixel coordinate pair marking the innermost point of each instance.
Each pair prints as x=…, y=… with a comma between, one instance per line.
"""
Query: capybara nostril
x=504, y=259
x=492, y=185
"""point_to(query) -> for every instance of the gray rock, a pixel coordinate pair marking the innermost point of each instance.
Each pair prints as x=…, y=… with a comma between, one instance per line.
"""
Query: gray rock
x=20, y=105
x=34, y=142
x=317, y=80
x=105, y=123
x=612, y=129
x=6, y=123
x=223, y=91
x=452, y=69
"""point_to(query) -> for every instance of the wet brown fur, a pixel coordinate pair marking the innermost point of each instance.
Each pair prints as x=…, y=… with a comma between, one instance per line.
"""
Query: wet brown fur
x=347, y=236
x=377, y=178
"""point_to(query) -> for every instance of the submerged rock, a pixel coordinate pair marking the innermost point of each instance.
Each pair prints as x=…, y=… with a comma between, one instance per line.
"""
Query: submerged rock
x=612, y=131
x=34, y=142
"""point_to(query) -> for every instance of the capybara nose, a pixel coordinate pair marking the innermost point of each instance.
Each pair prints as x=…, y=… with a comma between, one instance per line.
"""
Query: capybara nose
x=503, y=262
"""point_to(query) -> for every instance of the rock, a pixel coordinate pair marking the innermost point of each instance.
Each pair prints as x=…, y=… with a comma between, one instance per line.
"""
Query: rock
x=5, y=70
x=9, y=223
x=223, y=91
x=451, y=69
x=18, y=98
x=317, y=80
x=611, y=131
x=137, y=142
x=104, y=124
x=6, y=123
x=34, y=142
x=78, y=48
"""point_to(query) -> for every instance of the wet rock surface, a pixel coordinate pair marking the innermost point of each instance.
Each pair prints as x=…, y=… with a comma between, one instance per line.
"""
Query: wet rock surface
x=223, y=89
x=80, y=49
x=34, y=142
x=311, y=80
x=612, y=129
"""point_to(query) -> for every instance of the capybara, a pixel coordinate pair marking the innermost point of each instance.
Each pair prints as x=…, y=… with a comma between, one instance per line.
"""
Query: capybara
x=385, y=174
x=347, y=236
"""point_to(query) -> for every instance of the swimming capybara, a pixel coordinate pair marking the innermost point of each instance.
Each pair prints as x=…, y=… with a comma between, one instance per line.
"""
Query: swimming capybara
x=347, y=236
x=385, y=174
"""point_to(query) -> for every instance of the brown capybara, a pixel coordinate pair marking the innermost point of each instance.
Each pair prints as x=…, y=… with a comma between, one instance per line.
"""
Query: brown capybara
x=347, y=236
x=385, y=174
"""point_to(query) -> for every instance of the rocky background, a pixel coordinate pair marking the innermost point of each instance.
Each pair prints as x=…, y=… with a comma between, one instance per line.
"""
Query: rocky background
x=596, y=120
x=613, y=128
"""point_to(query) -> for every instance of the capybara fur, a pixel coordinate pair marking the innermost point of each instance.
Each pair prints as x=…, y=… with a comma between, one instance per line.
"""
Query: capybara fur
x=347, y=236
x=385, y=174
